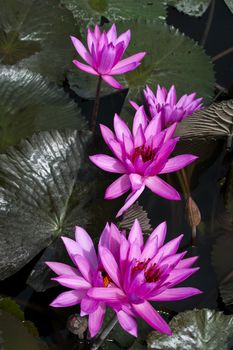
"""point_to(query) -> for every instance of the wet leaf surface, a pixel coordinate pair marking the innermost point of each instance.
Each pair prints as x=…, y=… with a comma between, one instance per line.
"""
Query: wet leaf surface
x=34, y=34
x=191, y=7
x=197, y=329
x=30, y=103
x=42, y=195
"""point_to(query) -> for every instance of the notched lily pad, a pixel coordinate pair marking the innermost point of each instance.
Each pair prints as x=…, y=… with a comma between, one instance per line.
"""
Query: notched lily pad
x=35, y=35
x=136, y=211
x=197, y=329
x=42, y=195
x=171, y=58
x=30, y=103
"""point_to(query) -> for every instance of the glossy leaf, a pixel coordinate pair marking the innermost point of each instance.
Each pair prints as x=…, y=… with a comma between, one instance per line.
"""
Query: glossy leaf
x=229, y=3
x=197, y=329
x=172, y=58
x=30, y=103
x=34, y=34
x=42, y=195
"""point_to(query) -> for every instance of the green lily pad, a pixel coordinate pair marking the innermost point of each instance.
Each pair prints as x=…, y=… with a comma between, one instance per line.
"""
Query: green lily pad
x=197, y=329
x=172, y=58
x=35, y=35
x=30, y=103
x=43, y=195
x=90, y=11
x=15, y=336
x=191, y=7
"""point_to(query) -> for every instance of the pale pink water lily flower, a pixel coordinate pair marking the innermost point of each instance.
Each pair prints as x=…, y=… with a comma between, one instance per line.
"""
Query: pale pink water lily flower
x=79, y=278
x=166, y=105
x=139, y=272
x=140, y=156
x=104, y=54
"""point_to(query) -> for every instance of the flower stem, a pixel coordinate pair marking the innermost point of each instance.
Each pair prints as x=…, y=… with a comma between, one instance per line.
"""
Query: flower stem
x=96, y=105
x=222, y=54
x=104, y=334
x=209, y=22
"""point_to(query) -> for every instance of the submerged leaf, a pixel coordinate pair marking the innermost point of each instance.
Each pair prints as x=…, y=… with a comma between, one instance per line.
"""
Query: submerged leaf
x=29, y=103
x=191, y=7
x=35, y=35
x=42, y=195
x=197, y=329
x=172, y=58
x=226, y=291
x=136, y=211
x=15, y=336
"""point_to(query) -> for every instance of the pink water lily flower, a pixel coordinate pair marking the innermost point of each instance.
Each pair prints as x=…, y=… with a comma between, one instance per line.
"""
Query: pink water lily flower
x=80, y=278
x=140, y=157
x=166, y=105
x=142, y=272
x=104, y=54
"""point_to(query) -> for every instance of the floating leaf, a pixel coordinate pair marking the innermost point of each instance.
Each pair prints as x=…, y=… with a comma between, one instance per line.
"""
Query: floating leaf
x=191, y=7
x=41, y=195
x=172, y=58
x=197, y=329
x=90, y=11
x=35, y=35
x=229, y=3
x=15, y=336
x=29, y=103
x=215, y=121
x=136, y=211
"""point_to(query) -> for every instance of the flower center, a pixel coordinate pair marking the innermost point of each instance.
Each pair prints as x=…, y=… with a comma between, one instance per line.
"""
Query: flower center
x=152, y=274
x=106, y=278
x=147, y=153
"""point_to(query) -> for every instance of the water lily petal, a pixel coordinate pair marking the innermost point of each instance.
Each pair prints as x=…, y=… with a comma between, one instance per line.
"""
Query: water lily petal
x=135, y=234
x=140, y=118
x=108, y=295
x=172, y=294
x=70, y=298
x=160, y=232
x=81, y=50
x=185, y=263
x=86, y=243
x=179, y=275
x=131, y=59
x=111, y=81
x=110, y=265
x=77, y=283
x=152, y=317
x=130, y=201
x=162, y=188
x=85, y=68
x=95, y=319
x=118, y=187
x=121, y=129
x=108, y=163
x=62, y=269
x=88, y=305
x=85, y=266
x=177, y=163
x=112, y=34
x=127, y=322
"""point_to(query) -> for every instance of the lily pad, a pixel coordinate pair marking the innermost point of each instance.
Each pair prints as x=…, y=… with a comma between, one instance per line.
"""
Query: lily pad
x=30, y=103
x=35, y=35
x=197, y=329
x=191, y=7
x=90, y=11
x=136, y=211
x=42, y=195
x=214, y=121
x=15, y=336
x=172, y=58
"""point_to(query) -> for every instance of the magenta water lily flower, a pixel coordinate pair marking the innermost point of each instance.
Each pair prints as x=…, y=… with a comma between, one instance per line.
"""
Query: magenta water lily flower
x=81, y=278
x=139, y=272
x=104, y=55
x=140, y=157
x=164, y=103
